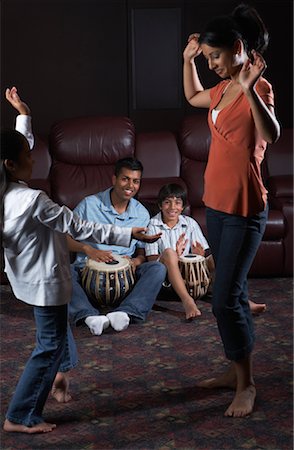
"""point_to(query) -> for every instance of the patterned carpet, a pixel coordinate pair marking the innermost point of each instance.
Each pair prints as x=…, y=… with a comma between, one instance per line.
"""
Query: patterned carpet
x=136, y=389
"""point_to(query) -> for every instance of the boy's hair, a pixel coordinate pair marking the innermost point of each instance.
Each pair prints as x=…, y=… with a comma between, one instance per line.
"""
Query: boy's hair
x=172, y=190
x=128, y=163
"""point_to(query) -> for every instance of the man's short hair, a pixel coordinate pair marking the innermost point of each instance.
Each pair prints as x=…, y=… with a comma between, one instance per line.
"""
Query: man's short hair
x=170, y=191
x=128, y=163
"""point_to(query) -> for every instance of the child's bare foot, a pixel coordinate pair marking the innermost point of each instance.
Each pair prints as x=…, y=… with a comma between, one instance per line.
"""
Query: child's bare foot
x=256, y=308
x=43, y=427
x=190, y=308
x=226, y=380
x=243, y=403
x=60, y=388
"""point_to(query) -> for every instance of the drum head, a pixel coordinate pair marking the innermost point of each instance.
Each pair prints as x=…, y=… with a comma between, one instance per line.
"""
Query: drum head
x=191, y=257
x=118, y=263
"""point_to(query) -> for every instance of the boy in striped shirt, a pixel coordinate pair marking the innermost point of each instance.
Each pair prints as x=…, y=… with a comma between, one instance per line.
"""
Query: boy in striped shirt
x=181, y=235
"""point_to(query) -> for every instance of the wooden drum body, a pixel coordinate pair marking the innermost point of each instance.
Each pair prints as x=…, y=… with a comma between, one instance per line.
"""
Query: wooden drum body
x=106, y=284
x=196, y=275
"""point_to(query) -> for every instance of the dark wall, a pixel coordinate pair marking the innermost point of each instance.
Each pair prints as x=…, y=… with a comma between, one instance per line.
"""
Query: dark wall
x=73, y=58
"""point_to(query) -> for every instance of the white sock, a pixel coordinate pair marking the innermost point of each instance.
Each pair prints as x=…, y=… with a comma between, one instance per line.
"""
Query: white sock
x=97, y=324
x=119, y=320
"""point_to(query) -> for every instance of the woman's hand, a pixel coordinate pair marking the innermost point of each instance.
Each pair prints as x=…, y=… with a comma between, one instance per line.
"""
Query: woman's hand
x=266, y=124
x=252, y=71
x=193, y=48
x=14, y=99
x=139, y=233
x=181, y=244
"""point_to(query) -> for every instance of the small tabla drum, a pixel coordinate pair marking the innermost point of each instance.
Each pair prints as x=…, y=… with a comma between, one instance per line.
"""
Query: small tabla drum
x=196, y=274
x=106, y=284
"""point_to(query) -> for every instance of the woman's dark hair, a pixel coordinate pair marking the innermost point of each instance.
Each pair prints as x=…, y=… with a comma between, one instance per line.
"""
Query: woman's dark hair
x=243, y=23
x=170, y=191
x=127, y=163
x=12, y=143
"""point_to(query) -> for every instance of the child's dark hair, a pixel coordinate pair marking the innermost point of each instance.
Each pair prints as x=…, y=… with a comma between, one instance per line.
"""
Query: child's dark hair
x=243, y=23
x=12, y=143
x=170, y=191
x=128, y=163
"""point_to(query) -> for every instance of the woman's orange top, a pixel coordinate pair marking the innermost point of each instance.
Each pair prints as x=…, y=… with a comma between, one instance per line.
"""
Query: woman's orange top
x=232, y=180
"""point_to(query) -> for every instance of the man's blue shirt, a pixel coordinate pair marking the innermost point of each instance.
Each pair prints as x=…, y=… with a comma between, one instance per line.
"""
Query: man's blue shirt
x=98, y=208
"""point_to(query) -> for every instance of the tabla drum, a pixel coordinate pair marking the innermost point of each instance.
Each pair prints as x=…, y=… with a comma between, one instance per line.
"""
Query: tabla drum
x=196, y=274
x=106, y=284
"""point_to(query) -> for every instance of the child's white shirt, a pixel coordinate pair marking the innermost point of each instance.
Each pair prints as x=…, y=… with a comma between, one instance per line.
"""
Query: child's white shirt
x=23, y=124
x=35, y=249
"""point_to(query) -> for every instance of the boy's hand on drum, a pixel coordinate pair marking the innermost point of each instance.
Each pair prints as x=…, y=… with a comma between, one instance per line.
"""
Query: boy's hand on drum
x=98, y=255
x=181, y=244
x=197, y=248
x=139, y=233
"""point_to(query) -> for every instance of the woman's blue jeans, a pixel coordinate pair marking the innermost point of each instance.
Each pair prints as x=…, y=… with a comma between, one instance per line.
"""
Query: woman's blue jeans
x=234, y=241
x=55, y=351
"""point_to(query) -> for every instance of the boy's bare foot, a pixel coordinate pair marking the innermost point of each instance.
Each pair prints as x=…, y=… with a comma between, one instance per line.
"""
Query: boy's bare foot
x=43, y=427
x=256, y=308
x=243, y=403
x=190, y=308
x=60, y=388
x=226, y=380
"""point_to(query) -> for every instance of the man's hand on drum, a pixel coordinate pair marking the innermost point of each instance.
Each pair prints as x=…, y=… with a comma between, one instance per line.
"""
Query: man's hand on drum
x=139, y=233
x=98, y=255
x=197, y=248
x=181, y=244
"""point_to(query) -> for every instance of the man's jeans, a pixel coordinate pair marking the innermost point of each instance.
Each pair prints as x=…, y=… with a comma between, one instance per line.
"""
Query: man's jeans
x=137, y=304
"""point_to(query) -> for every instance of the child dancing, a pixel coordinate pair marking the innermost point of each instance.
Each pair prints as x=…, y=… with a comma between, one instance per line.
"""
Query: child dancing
x=33, y=230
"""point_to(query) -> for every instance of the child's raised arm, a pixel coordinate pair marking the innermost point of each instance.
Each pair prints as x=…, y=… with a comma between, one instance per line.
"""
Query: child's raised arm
x=23, y=122
x=15, y=100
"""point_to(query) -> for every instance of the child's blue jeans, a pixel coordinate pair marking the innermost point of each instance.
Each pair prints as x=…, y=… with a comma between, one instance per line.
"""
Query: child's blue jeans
x=55, y=351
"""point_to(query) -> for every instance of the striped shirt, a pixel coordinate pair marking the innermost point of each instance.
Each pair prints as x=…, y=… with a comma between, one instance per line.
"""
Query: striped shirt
x=170, y=236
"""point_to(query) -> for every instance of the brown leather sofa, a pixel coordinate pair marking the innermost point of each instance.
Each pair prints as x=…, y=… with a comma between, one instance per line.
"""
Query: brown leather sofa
x=84, y=151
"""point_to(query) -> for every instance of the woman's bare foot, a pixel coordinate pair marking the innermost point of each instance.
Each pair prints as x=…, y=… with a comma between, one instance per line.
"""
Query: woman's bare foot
x=256, y=308
x=226, y=380
x=43, y=427
x=243, y=403
x=190, y=308
x=60, y=388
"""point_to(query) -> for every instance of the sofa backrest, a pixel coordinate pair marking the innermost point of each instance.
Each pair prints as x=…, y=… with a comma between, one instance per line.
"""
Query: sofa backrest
x=279, y=169
x=279, y=156
x=194, y=142
x=161, y=159
x=84, y=152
